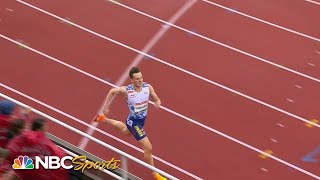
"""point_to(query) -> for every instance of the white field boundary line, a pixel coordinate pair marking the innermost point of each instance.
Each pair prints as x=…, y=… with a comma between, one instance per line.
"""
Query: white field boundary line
x=161, y=61
x=182, y=116
x=314, y=2
x=97, y=129
x=262, y=21
x=83, y=134
x=84, y=141
x=170, y=65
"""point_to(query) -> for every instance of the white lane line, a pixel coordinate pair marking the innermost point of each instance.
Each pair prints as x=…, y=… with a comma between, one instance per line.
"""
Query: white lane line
x=164, y=28
x=183, y=70
x=188, y=31
x=207, y=80
x=165, y=25
x=84, y=141
x=262, y=21
x=99, y=130
x=176, y=113
x=314, y=2
x=140, y=150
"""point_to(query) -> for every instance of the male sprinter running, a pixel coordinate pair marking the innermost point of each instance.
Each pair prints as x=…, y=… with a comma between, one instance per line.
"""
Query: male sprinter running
x=137, y=95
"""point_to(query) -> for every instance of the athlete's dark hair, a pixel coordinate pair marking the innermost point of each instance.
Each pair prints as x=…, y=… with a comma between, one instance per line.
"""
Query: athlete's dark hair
x=38, y=124
x=15, y=128
x=132, y=71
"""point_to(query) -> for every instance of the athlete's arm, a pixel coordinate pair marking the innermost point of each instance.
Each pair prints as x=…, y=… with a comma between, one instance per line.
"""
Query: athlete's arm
x=154, y=96
x=114, y=91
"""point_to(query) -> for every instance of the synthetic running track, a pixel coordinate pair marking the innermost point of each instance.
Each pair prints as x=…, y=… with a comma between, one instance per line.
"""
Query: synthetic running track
x=235, y=79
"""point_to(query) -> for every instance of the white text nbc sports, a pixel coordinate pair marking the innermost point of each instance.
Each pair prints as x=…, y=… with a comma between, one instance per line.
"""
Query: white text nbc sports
x=52, y=162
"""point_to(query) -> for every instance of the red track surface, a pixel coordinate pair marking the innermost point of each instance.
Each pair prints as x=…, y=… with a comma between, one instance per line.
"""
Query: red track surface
x=175, y=140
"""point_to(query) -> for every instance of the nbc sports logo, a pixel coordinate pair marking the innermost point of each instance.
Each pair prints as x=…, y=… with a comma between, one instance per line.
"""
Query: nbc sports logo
x=23, y=162
x=55, y=162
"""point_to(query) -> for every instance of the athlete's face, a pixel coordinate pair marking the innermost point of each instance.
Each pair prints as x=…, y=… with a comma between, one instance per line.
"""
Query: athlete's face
x=137, y=79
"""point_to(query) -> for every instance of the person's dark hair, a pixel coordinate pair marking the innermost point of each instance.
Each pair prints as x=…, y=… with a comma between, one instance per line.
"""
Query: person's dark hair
x=37, y=124
x=133, y=71
x=15, y=128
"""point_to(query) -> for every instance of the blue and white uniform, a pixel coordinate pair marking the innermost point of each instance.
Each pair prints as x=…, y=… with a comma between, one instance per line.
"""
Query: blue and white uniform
x=138, y=107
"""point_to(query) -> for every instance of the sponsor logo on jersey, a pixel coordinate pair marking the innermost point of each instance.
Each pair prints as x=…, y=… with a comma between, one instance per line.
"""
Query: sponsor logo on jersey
x=142, y=106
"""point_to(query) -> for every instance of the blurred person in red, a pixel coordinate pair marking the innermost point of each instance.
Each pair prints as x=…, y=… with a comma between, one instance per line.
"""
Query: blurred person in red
x=9, y=128
x=6, y=116
x=11, y=124
x=36, y=143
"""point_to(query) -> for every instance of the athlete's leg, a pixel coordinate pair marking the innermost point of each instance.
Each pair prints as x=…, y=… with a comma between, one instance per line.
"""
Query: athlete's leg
x=147, y=150
x=119, y=125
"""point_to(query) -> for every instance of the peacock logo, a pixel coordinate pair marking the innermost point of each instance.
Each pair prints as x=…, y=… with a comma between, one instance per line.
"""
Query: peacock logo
x=23, y=162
